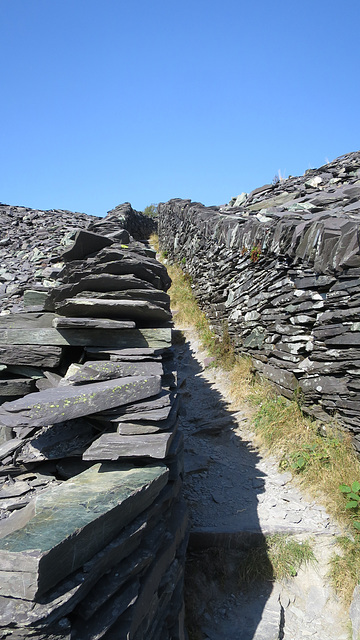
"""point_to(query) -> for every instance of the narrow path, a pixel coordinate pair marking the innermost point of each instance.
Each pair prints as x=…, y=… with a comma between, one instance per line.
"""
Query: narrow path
x=236, y=497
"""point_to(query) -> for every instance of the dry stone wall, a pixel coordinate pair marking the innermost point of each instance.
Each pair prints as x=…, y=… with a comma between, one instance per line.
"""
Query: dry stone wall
x=280, y=268
x=93, y=527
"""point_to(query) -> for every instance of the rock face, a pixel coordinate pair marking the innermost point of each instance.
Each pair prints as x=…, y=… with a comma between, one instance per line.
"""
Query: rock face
x=280, y=268
x=93, y=528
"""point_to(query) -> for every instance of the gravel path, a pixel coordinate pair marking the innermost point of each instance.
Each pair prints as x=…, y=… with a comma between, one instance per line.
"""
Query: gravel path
x=236, y=496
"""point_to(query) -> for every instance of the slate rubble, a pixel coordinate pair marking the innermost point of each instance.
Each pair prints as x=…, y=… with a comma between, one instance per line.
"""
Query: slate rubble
x=93, y=528
x=281, y=271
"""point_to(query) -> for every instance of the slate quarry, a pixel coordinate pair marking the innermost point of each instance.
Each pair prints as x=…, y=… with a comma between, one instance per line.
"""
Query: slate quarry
x=93, y=528
x=279, y=268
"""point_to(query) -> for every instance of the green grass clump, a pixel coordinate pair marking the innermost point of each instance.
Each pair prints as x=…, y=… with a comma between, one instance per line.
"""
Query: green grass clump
x=278, y=557
x=188, y=314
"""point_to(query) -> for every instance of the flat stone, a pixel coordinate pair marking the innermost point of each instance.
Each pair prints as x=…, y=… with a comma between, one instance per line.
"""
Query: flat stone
x=98, y=284
x=87, y=337
x=58, y=441
x=66, y=403
x=139, y=310
x=86, y=243
x=177, y=532
x=113, y=446
x=112, y=582
x=125, y=355
x=6, y=448
x=71, y=591
x=16, y=386
x=27, y=321
x=92, y=323
x=136, y=428
x=17, y=488
x=35, y=298
x=28, y=354
x=72, y=522
x=108, y=615
x=104, y=370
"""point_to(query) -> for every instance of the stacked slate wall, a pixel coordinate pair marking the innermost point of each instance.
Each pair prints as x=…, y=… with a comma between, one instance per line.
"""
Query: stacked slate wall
x=281, y=271
x=93, y=527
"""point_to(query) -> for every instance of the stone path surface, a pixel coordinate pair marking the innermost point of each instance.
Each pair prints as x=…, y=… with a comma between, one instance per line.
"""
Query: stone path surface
x=236, y=496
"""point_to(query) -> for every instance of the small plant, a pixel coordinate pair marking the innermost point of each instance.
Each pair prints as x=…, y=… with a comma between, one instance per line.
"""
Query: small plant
x=151, y=211
x=309, y=453
x=164, y=254
x=243, y=250
x=353, y=501
x=183, y=260
x=255, y=253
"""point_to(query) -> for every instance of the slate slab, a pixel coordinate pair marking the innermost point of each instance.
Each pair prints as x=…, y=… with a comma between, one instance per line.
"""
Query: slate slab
x=58, y=441
x=16, y=386
x=86, y=243
x=72, y=522
x=128, y=355
x=27, y=321
x=139, y=310
x=113, y=446
x=30, y=354
x=118, y=339
x=112, y=581
x=35, y=298
x=66, y=403
x=101, y=283
x=107, y=616
x=92, y=323
x=71, y=591
x=104, y=370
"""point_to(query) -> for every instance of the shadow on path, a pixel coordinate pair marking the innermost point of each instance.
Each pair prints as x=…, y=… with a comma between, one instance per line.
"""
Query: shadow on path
x=222, y=484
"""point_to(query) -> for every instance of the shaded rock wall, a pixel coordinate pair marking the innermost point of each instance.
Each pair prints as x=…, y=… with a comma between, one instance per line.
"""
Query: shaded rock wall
x=93, y=528
x=280, y=267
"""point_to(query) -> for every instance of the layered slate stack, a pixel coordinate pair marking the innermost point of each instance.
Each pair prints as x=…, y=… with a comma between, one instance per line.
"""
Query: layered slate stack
x=93, y=528
x=280, y=268
x=33, y=241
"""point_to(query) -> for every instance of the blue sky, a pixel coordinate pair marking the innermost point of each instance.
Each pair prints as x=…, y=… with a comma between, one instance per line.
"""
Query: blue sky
x=109, y=101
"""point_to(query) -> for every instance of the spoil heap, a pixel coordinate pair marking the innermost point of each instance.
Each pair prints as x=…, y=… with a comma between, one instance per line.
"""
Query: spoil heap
x=92, y=525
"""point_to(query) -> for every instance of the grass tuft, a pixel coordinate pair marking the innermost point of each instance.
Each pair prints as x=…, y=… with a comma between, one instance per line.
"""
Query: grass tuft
x=345, y=568
x=277, y=558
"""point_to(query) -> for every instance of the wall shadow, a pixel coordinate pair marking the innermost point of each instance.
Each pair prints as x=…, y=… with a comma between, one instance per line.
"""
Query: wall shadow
x=221, y=484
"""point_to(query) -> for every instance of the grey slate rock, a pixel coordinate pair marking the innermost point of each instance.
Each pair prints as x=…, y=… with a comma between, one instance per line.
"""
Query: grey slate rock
x=151, y=337
x=66, y=403
x=113, y=446
x=92, y=323
x=138, y=310
x=86, y=243
x=31, y=355
x=58, y=441
x=99, y=370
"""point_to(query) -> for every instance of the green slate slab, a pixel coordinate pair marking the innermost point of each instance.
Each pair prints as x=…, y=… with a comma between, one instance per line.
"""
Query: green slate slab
x=66, y=403
x=35, y=298
x=72, y=522
x=116, y=338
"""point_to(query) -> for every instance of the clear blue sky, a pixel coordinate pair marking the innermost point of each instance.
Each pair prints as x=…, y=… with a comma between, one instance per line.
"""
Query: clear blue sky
x=107, y=101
